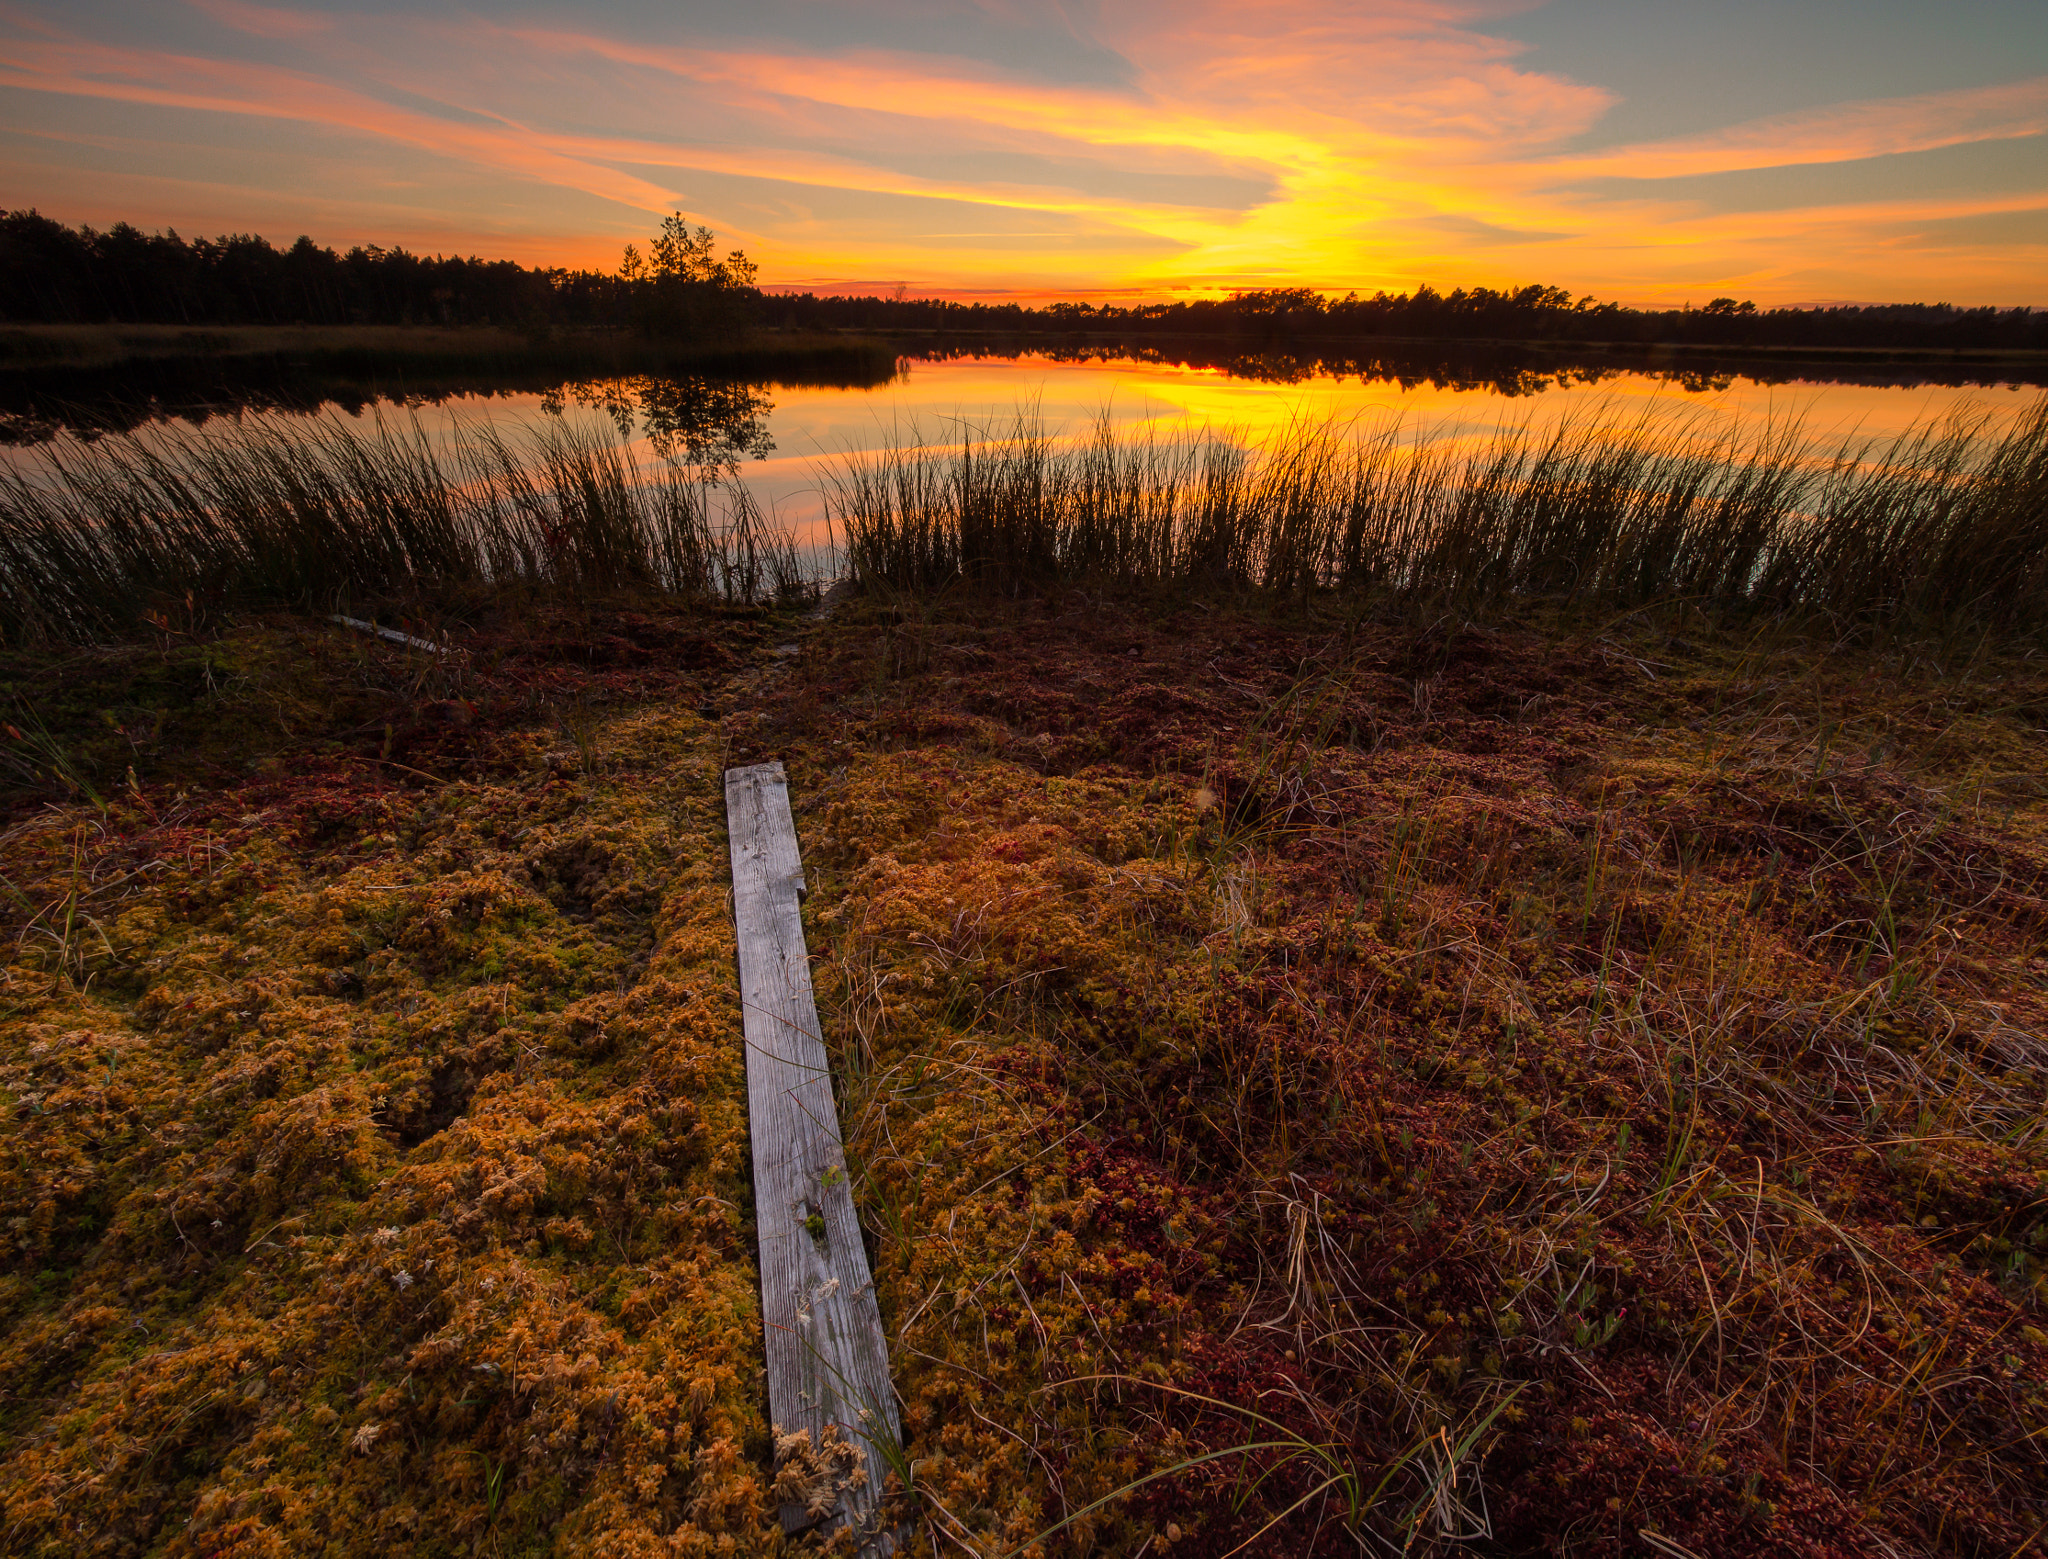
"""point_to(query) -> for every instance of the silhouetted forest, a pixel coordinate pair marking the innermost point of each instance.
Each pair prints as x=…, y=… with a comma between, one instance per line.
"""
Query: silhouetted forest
x=50, y=273
x=53, y=274
x=1277, y=318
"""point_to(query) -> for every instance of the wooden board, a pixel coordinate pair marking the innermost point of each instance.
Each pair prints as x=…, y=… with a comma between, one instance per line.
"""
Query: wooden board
x=828, y=1362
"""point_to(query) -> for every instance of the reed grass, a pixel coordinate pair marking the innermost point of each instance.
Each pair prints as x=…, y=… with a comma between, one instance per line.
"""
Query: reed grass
x=322, y=512
x=1946, y=525
x=1945, y=528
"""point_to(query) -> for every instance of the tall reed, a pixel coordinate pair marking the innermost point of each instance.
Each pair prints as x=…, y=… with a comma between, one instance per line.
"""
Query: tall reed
x=1949, y=523
x=322, y=511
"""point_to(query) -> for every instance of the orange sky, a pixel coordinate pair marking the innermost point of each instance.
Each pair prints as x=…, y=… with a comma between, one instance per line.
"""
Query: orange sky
x=1634, y=149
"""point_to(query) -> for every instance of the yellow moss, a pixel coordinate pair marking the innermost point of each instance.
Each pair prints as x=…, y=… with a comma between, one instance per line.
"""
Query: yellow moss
x=390, y=1198
x=394, y=1194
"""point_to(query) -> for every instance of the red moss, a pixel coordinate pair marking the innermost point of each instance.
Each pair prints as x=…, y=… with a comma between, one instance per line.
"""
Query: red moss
x=1623, y=1053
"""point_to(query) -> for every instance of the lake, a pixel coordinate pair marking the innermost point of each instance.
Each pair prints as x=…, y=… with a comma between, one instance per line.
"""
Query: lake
x=783, y=437
x=941, y=400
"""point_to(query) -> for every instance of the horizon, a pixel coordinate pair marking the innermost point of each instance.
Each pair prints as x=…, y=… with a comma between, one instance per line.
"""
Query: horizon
x=896, y=291
x=1034, y=151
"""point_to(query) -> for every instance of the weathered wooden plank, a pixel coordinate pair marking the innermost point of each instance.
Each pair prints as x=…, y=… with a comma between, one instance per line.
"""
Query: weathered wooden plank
x=828, y=1363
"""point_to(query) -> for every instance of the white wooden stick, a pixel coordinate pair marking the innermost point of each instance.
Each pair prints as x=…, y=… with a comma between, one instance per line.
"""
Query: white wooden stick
x=390, y=634
x=828, y=1362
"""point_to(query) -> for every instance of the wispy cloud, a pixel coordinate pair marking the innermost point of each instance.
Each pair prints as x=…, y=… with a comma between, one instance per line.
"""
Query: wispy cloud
x=1844, y=132
x=264, y=21
x=1209, y=143
x=84, y=69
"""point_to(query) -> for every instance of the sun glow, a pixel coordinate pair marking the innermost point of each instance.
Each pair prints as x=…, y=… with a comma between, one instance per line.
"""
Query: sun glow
x=1205, y=150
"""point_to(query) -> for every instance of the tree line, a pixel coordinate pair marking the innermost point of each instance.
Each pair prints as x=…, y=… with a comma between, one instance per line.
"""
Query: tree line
x=1281, y=317
x=53, y=274
x=682, y=285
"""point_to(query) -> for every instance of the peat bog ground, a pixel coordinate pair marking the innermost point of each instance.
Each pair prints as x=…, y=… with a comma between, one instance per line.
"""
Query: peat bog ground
x=1529, y=1088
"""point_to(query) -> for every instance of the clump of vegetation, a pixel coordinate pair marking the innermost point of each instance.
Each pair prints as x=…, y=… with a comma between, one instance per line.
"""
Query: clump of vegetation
x=376, y=1173
x=1947, y=528
x=684, y=287
x=57, y=274
x=322, y=512
x=1408, y=1090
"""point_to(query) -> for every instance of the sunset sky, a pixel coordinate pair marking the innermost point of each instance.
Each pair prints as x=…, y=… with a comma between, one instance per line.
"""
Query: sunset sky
x=1645, y=150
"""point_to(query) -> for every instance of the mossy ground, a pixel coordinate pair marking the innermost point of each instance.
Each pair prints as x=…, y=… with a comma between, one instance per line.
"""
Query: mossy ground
x=1548, y=1086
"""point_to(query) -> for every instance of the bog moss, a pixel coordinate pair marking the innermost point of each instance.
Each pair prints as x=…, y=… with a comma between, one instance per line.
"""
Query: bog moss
x=1303, y=1081
x=377, y=1169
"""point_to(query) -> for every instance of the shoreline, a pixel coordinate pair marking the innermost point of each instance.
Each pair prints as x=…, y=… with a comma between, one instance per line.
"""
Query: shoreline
x=43, y=350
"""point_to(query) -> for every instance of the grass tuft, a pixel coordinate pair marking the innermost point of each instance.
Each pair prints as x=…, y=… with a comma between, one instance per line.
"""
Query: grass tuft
x=94, y=536
x=1946, y=526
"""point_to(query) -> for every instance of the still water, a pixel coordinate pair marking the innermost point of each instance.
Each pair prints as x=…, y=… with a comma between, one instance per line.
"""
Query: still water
x=798, y=433
x=783, y=440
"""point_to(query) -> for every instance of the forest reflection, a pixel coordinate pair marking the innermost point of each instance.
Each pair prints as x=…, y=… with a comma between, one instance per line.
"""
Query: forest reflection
x=723, y=415
x=712, y=423
x=1509, y=370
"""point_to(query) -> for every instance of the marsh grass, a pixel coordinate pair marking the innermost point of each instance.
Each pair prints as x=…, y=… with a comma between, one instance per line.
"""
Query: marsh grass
x=1243, y=1120
x=321, y=513
x=1946, y=525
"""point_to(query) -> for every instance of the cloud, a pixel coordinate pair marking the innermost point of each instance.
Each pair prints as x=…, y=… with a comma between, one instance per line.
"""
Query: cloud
x=85, y=69
x=1479, y=231
x=262, y=21
x=1332, y=143
x=1344, y=115
x=1845, y=132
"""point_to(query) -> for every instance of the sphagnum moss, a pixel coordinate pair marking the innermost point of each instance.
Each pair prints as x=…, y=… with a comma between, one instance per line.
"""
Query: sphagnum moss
x=1620, y=1118
x=1561, y=1087
x=386, y=1195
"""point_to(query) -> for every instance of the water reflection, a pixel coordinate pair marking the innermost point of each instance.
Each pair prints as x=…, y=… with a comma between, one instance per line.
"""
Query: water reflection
x=780, y=435
x=717, y=414
x=1523, y=369
x=689, y=420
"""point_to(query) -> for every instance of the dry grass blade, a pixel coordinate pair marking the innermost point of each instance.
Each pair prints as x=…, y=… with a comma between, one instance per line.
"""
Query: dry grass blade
x=322, y=512
x=1948, y=525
